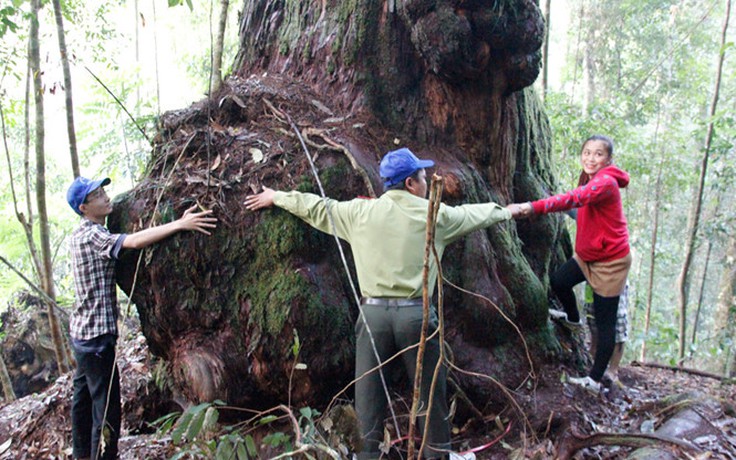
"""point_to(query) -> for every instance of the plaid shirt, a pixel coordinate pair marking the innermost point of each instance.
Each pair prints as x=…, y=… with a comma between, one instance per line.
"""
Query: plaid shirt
x=94, y=250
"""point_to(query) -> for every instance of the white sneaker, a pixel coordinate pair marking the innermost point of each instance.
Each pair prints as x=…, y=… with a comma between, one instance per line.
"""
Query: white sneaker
x=557, y=314
x=586, y=382
x=562, y=316
x=462, y=456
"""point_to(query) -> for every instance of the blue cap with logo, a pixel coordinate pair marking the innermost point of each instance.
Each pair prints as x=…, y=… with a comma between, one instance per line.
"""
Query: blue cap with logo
x=80, y=188
x=399, y=164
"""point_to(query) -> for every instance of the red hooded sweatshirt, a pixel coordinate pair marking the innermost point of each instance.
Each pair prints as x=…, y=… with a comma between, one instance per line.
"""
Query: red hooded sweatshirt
x=602, y=235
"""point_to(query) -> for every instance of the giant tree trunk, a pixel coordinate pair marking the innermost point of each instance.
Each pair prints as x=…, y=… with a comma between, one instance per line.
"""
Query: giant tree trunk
x=358, y=79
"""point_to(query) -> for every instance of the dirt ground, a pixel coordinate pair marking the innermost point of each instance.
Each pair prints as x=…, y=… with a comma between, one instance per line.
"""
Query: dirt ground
x=557, y=416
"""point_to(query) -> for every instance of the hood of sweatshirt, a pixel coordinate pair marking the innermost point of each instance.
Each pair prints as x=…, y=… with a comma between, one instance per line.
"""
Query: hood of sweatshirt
x=621, y=176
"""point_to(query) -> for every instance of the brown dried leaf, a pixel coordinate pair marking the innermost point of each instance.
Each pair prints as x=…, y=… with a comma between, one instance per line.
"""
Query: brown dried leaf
x=216, y=163
x=256, y=154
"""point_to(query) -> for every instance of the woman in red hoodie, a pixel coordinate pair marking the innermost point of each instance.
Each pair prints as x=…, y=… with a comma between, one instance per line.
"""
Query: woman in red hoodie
x=602, y=254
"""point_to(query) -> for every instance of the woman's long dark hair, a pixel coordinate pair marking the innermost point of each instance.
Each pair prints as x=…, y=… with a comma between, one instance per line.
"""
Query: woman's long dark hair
x=609, y=146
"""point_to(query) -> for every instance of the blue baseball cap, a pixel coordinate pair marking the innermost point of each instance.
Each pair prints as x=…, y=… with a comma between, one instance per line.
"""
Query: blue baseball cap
x=80, y=188
x=397, y=165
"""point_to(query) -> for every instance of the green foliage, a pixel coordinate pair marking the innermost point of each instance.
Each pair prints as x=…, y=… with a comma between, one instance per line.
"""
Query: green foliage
x=7, y=20
x=196, y=433
x=181, y=2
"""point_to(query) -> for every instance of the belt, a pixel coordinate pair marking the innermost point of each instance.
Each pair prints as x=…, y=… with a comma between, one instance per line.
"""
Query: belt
x=391, y=302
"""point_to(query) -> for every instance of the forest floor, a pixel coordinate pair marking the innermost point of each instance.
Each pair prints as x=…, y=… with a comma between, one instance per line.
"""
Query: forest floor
x=561, y=420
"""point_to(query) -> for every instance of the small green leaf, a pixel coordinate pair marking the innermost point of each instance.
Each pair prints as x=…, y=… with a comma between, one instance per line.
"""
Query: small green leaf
x=267, y=419
x=242, y=454
x=250, y=444
x=181, y=427
x=195, y=427
x=224, y=449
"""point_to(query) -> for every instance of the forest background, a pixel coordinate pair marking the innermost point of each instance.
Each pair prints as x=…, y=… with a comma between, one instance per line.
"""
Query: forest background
x=655, y=75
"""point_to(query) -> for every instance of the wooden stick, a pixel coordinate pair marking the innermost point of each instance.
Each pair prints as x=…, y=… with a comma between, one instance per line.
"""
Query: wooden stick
x=574, y=442
x=680, y=369
x=425, y=316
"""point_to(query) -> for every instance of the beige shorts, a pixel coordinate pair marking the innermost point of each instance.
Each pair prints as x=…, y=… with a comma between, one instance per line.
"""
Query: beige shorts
x=606, y=278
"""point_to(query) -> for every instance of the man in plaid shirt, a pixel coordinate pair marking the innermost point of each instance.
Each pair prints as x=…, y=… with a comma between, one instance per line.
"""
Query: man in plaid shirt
x=93, y=325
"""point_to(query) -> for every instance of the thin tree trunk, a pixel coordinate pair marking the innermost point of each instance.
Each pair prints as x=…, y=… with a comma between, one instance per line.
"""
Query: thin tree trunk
x=47, y=280
x=652, y=258
x=578, y=44
x=155, y=55
x=694, y=218
x=5, y=380
x=709, y=248
x=725, y=316
x=27, y=170
x=137, y=56
x=27, y=224
x=589, y=45
x=216, y=80
x=545, y=48
x=67, y=88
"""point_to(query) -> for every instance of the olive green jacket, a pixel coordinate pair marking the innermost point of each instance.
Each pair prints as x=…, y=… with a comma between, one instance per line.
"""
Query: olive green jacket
x=387, y=235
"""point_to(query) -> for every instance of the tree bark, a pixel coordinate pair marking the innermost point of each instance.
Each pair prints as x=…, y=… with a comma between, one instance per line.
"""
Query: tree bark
x=694, y=217
x=5, y=379
x=67, y=88
x=47, y=279
x=218, y=45
x=359, y=78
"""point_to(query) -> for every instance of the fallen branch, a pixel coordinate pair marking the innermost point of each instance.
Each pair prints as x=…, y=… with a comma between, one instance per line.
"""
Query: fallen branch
x=574, y=442
x=680, y=369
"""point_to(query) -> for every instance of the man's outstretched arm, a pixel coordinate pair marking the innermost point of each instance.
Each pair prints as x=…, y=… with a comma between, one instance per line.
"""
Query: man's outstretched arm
x=190, y=220
x=260, y=200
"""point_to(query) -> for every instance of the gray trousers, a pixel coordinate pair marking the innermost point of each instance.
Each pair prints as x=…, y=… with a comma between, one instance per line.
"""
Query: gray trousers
x=393, y=329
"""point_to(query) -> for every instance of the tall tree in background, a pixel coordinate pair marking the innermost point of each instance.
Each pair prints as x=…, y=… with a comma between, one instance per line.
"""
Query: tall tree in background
x=697, y=200
x=703, y=277
x=216, y=79
x=67, y=88
x=545, y=47
x=589, y=49
x=46, y=274
x=726, y=307
x=652, y=257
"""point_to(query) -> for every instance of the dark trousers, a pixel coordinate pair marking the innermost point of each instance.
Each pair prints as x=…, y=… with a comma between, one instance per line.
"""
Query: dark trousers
x=393, y=329
x=96, y=374
x=604, y=311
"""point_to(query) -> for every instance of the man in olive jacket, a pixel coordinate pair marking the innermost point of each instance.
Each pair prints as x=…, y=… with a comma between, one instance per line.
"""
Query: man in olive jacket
x=387, y=237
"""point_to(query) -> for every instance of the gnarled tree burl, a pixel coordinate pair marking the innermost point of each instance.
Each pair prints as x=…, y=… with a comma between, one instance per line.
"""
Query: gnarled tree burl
x=449, y=79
